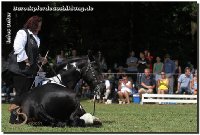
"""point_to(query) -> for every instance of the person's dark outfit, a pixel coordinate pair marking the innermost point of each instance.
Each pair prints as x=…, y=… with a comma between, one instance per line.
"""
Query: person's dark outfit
x=23, y=80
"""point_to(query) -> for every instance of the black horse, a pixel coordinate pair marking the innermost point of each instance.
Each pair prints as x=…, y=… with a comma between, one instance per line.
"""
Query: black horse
x=57, y=105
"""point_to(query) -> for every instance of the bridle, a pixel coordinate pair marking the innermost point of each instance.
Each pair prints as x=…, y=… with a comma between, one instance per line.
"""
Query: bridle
x=97, y=88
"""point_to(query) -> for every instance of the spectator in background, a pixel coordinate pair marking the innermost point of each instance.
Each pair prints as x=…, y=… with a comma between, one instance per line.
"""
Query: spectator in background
x=6, y=89
x=191, y=66
x=157, y=68
x=85, y=90
x=177, y=72
x=147, y=83
x=108, y=88
x=146, y=53
x=124, y=90
x=184, y=82
x=111, y=76
x=177, y=68
x=74, y=53
x=163, y=84
x=102, y=62
x=142, y=64
x=169, y=69
x=132, y=65
x=194, y=84
x=120, y=72
x=149, y=59
x=60, y=58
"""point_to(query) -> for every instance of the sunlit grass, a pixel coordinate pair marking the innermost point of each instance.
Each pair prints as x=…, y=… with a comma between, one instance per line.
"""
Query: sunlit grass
x=125, y=118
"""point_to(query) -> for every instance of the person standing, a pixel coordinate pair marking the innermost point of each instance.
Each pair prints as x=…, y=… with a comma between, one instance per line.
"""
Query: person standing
x=142, y=65
x=26, y=48
x=149, y=59
x=157, y=68
x=169, y=69
x=132, y=65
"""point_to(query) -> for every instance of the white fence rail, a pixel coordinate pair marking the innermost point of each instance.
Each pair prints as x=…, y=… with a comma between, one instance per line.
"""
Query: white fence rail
x=168, y=98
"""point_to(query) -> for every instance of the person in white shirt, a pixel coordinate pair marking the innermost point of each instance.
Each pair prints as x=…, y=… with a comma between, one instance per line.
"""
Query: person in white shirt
x=124, y=90
x=60, y=58
x=108, y=89
x=26, y=47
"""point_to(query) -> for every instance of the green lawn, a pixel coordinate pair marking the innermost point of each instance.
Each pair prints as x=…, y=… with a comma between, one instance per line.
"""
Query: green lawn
x=125, y=118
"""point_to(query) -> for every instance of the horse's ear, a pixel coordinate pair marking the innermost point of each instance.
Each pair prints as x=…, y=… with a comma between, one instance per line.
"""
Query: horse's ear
x=90, y=56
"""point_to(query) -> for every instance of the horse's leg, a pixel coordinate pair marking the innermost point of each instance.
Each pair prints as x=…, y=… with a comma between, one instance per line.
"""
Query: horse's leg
x=75, y=120
x=47, y=119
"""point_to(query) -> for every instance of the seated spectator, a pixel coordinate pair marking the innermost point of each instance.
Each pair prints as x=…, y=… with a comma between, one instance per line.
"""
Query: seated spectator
x=194, y=84
x=60, y=58
x=85, y=90
x=6, y=89
x=147, y=83
x=120, y=73
x=163, y=84
x=124, y=90
x=184, y=82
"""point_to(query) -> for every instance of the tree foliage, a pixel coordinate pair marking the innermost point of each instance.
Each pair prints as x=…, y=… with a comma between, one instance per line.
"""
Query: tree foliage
x=114, y=28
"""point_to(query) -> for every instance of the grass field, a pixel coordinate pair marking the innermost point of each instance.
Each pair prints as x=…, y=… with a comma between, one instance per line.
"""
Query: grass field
x=125, y=118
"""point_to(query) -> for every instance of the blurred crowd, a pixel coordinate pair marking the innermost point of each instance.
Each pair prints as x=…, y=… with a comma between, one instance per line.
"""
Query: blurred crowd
x=143, y=74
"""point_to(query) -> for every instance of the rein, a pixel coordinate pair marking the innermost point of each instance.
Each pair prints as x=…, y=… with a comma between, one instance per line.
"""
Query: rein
x=97, y=88
x=95, y=96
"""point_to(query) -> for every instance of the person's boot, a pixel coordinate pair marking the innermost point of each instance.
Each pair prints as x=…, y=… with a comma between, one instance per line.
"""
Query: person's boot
x=14, y=119
x=13, y=114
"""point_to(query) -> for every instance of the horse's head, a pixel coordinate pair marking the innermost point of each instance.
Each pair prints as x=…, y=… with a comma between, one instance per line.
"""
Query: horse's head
x=87, y=67
x=91, y=73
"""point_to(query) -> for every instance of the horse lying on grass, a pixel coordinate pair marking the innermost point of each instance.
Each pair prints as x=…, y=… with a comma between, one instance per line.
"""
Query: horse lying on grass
x=55, y=104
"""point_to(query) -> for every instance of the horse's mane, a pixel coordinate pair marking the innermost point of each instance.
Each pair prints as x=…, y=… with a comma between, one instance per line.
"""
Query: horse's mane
x=78, y=59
